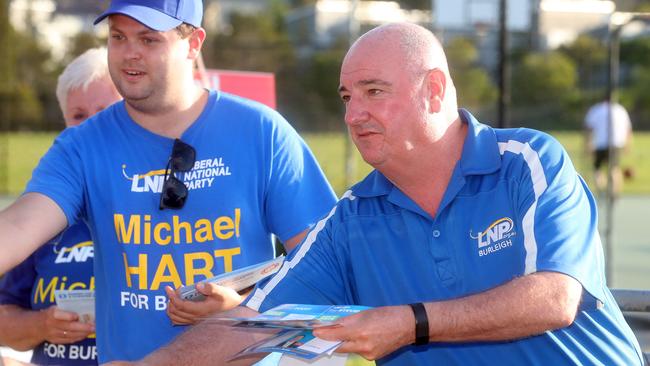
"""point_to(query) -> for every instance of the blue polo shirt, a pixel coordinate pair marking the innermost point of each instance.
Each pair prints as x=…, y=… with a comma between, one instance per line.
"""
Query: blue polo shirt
x=514, y=206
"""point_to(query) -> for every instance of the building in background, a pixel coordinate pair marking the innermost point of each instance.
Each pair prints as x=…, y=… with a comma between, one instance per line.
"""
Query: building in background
x=54, y=23
x=326, y=22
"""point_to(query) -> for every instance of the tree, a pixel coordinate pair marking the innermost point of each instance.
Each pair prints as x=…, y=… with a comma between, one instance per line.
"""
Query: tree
x=475, y=89
x=590, y=57
x=542, y=77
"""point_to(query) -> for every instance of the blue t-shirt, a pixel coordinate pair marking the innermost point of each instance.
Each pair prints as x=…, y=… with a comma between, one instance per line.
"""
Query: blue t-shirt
x=514, y=206
x=64, y=263
x=253, y=177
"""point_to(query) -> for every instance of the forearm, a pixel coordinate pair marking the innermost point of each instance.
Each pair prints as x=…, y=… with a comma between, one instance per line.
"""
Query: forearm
x=21, y=329
x=208, y=343
x=25, y=225
x=526, y=306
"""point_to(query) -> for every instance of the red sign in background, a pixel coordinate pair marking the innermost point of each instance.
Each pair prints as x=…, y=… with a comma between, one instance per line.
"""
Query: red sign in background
x=258, y=86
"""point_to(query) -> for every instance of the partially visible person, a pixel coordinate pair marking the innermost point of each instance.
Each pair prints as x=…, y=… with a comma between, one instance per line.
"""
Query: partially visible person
x=474, y=245
x=598, y=141
x=176, y=183
x=29, y=318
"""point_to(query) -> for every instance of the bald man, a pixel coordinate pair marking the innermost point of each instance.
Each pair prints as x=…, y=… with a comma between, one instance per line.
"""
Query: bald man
x=473, y=245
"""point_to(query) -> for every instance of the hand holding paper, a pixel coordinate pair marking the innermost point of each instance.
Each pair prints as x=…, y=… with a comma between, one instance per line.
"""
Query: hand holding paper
x=216, y=299
x=372, y=333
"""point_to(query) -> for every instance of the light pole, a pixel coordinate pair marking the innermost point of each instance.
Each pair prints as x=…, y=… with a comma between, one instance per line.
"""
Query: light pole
x=617, y=22
x=504, y=66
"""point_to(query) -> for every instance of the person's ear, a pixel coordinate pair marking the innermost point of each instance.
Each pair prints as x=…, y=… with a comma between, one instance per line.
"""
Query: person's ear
x=436, y=82
x=196, y=40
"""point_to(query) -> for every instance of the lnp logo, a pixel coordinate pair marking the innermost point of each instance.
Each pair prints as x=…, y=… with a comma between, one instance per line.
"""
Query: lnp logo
x=201, y=175
x=78, y=253
x=151, y=181
x=495, y=237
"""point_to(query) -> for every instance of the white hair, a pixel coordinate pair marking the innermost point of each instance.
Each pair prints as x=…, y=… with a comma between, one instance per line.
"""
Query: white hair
x=90, y=66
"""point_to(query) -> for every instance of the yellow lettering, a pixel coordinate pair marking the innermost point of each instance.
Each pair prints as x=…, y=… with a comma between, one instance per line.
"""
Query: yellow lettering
x=191, y=271
x=203, y=231
x=147, y=229
x=223, y=227
x=123, y=234
x=40, y=294
x=157, y=235
x=227, y=255
x=91, y=286
x=75, y=285
x=178, y=225
x=166, y=264
x=237, y=219
x=140, y=271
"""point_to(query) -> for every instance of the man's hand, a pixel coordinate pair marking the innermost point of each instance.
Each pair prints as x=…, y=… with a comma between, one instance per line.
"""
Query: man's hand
x=63, y=327
x=372, y=333
x=218, y=299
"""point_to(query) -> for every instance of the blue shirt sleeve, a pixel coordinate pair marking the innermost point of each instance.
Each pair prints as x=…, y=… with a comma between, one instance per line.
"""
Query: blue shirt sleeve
x=562, y=246
x=313, y=273
x=59, y=176
x=298, y=193
x=16, y=285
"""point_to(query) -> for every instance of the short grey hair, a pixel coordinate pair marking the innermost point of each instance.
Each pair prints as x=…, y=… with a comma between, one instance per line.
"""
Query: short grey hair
x=86, y=68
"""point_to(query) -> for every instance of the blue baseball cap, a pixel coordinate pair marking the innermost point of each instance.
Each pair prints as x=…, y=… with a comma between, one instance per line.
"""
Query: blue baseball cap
x=160, y=15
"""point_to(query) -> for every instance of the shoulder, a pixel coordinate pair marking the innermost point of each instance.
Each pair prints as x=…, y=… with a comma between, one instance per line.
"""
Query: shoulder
x=522, y=140
x=532, y=153
x=246, y=108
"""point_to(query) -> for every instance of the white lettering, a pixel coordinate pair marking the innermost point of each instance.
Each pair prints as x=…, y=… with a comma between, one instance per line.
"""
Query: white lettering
x=161, y=302
x=134, y=184
x=137, y=301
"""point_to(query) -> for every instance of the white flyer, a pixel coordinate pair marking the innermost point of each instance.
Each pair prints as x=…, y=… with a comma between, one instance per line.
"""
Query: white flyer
x=237, y=280
x=81, y=302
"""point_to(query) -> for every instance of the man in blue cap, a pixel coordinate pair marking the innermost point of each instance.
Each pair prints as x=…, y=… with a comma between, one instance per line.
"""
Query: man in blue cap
x=176, y=183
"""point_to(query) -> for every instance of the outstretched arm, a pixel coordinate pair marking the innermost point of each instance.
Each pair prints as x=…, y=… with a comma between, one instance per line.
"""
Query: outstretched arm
x=525, y=306
x=208, y=343
x=25, y=225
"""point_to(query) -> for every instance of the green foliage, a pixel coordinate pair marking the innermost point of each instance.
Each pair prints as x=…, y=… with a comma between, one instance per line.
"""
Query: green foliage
x=635, y=51
x=415, y=4
x=255, y=43
x=80, y=43
x=638, y=97
x=475, y=89
x=590, y=56
x=542, y=77
x=27, y=80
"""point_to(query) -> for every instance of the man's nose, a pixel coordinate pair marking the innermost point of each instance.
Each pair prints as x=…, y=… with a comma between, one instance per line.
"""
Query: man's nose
x=355, y=113
x=133, y=51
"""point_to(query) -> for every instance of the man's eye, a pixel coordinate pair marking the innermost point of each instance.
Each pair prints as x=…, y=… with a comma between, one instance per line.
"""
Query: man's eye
x=374, y=91
x=345, y=98
x=117, y=37
x=80, y=117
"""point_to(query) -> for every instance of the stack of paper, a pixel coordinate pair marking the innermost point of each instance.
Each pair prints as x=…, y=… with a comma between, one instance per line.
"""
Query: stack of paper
x=297, y=322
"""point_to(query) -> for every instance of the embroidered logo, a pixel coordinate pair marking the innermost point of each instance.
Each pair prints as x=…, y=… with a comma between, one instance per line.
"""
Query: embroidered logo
x=495, y=237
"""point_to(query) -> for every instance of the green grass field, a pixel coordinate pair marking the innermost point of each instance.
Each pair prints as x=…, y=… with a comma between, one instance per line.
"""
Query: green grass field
x=25, y=149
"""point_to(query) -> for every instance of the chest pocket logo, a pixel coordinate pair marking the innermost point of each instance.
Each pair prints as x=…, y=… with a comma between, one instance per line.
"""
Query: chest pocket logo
x=495, y=237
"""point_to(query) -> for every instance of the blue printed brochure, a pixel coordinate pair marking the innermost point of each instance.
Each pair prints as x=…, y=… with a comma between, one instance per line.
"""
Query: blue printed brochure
x=297, y=321
x=300, y=343
x=296, y=316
